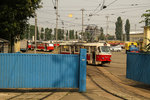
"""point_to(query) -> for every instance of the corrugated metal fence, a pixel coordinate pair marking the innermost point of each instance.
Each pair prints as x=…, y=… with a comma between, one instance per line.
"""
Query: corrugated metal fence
x=43, y=71
x=138, y=67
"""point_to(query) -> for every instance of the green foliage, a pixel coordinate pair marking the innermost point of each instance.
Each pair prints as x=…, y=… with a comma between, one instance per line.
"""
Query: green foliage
x=76, y=35
x=146, y=18
x=118, y=30
x=42, y=34
x=71, y=34
x=26, y=34
x=109, y=37
x=32, y=32
x=14, y=15
x=87, y=36
x=48, y=34
x=101, y=36
x=60, y=34
x=127, y=29
x=67, y=37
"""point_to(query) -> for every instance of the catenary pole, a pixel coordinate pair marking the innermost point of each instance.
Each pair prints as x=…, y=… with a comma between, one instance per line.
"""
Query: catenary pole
x=35, y=32
x=82, y=22
x=56, y=22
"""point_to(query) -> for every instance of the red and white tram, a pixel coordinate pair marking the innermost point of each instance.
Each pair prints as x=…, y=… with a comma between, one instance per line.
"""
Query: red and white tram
x=42, y=45
x=97, y=53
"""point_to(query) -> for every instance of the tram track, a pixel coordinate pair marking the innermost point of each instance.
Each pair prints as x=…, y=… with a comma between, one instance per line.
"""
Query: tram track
x=110, y=86
x=105, y=89
x=113, y=94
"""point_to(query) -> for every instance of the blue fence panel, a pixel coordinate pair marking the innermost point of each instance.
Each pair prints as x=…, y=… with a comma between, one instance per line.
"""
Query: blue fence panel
x=82, y=80
x=43, y=71
x=138, y=67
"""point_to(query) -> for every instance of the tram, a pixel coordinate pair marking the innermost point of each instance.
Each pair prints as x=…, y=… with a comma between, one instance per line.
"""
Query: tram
x=41, y=45
x=97, y=53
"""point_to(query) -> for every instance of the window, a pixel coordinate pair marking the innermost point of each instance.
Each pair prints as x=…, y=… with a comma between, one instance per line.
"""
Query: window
x=51, y=45
x=62, y=48
x=67, y=48
x=99, y=49
x=76, y=49
x=105, y=49
x=87, y=49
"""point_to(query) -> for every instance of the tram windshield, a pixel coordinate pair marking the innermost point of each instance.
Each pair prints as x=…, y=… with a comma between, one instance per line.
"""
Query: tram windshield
x=104, y=49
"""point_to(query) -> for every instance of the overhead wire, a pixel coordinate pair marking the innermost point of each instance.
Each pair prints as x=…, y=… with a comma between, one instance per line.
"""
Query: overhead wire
x=106, y=6
x=92, y=10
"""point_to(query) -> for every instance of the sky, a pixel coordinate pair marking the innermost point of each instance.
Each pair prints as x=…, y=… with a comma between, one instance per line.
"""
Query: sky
x=126, y=9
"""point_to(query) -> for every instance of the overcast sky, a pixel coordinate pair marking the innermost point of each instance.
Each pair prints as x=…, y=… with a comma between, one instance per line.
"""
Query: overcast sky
x=126, y=9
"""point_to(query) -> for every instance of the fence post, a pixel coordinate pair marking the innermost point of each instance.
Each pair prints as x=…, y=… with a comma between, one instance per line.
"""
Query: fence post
x=82, y=76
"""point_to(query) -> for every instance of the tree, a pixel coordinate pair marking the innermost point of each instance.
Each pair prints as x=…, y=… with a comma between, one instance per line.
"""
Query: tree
x=71, y=34
x=88, y=36
x=42, y=33
x=48, y=34
x=60, y=34
x=127, y=30
x=118, y=30
x=32, y=31
x=26, y=34
x=14, y=15
x=102, y=36
x=147, y=18
x=76, y=36
x=67, y=35
x=110, y=37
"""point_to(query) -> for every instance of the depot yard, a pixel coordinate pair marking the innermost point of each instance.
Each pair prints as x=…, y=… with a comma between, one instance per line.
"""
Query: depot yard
x=107, y=82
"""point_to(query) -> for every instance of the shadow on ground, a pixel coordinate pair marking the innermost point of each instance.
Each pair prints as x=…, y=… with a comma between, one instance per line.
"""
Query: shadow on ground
x=38, y=90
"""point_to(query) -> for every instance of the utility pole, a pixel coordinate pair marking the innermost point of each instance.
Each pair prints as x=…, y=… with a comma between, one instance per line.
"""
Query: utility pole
x=123, y=32
x=56, y=7
x=68, y=35
x=82, y=22
x=107, y=26
x=29, y=33
x=35, y=32
x=64, y=31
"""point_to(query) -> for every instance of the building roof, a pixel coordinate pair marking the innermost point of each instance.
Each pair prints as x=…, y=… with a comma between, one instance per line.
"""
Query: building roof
x=136, y=32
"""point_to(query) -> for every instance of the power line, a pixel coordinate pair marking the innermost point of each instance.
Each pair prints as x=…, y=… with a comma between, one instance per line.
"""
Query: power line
x=111, y=3
x=106, y=6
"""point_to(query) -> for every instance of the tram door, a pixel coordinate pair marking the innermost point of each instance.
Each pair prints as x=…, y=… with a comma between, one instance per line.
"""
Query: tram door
x=93, y=51
x=72, y=49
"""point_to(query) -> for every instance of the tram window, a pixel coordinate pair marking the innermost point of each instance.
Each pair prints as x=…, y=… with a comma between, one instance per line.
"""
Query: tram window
x=105, y=49
x=67, y=48
x=63, y=49
x=76, y=49
x=87, y=48
x=93, y=49
x=99, y=49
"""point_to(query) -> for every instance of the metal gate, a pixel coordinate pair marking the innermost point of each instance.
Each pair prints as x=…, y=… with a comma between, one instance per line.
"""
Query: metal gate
x=43, y=71
x=138, y=67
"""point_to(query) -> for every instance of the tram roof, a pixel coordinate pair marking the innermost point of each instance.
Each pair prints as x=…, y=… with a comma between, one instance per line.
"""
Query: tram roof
x=86, y=44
